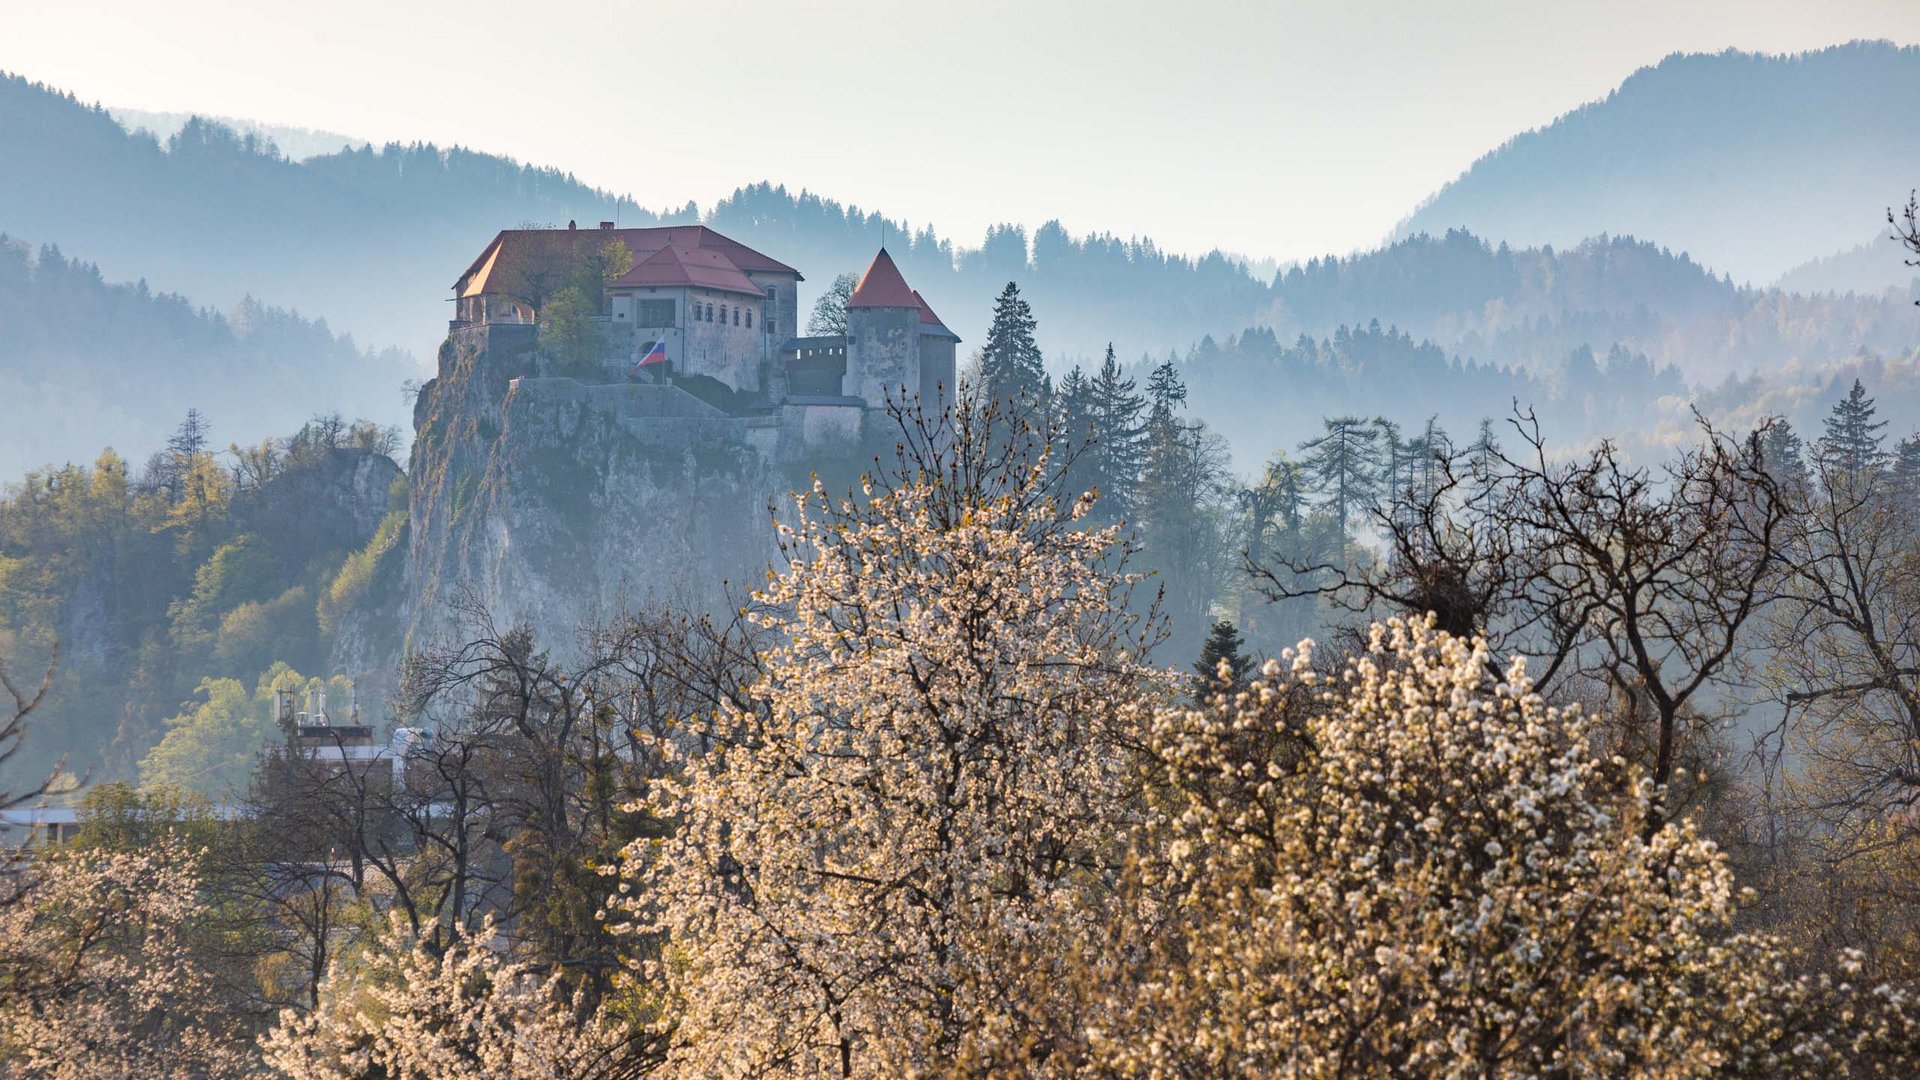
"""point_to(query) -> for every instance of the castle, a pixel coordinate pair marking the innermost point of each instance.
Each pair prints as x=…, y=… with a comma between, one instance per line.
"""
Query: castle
x=719, y=324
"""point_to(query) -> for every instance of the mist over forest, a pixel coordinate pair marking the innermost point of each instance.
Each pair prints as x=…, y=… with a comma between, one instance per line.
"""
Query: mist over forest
x=364, y=239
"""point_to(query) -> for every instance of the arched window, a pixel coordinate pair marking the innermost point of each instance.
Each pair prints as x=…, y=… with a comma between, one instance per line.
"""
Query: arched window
x=723, y=314
x=709, y=312
x=736, y=316
x=749, y=320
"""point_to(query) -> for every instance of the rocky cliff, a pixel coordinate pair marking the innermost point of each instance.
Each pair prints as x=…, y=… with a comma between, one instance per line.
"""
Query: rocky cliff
x=552, y=501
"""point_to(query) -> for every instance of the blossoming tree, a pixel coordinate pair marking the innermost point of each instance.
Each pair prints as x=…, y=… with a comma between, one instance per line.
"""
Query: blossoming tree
x=1409, y=870
x=927, y=778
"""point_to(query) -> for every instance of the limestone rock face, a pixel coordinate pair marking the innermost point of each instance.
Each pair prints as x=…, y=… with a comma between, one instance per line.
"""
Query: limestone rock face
x=553, y=502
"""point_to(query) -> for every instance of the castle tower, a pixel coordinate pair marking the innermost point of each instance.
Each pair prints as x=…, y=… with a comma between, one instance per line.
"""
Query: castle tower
x=883, y=335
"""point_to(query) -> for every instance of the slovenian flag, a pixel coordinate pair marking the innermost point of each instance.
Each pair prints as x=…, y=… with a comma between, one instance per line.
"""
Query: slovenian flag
x=655, y=355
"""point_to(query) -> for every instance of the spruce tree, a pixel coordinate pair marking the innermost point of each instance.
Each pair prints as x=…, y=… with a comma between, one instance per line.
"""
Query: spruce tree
x=1011, y=370
x=1483, y=461
x=1851, y=445
x=1073, y=406
x=1343, y=466
x=1906, y=473
x=1426, y=452
x=1781, y=452
x=1395, y=459
x=1120, y=433
x=1223, y=643
x=1165, y=393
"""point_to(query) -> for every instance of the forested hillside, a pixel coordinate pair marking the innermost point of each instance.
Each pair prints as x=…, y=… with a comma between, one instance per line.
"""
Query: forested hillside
x=1752, y=163
x=373, y=237
x=1609, y=337
x=87, y=362
x=157, y=588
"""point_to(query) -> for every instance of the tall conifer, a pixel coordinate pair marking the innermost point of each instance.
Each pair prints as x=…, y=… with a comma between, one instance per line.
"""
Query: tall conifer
x=1011, y=369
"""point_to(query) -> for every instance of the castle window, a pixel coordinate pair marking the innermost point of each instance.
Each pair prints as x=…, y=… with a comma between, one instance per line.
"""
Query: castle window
x=723, y=314
x=656, y=313
x=736, y=316
x=749, y=320
x=709, y=312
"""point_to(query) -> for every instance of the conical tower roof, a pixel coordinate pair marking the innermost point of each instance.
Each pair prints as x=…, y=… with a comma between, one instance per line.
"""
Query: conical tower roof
x=882, y=286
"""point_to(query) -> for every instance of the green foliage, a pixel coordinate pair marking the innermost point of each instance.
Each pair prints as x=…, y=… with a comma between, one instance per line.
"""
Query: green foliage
x=1223, y=645
x=568, y=335
x=210, y=749
x=117, y=816
x=252, y=634
x=352, y=585
x=238, y=571
x=152, y=581
x=1010, y=365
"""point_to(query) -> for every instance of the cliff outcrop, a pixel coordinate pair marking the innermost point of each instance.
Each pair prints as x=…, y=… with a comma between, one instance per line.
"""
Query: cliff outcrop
x=552, y=501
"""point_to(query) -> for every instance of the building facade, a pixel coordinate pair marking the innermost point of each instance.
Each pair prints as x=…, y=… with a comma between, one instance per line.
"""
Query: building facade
x=718, y=310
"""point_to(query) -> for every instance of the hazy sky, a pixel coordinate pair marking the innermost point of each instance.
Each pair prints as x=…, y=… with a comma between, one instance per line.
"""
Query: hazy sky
x=1285, y=129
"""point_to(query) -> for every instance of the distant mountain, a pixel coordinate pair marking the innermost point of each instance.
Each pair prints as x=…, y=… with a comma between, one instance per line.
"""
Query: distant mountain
x=1869, y=269
x=85, y=363
x=1530, y=306
x=374, y=237
x=1752, y=164
x=1608, y=337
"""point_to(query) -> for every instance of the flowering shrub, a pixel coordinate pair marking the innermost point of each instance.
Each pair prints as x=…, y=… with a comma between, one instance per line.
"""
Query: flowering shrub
x=1406, y=871
x=98, y=977
x=404, y=1013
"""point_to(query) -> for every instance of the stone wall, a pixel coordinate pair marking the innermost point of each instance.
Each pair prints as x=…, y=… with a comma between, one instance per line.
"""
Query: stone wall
x=883, y=353
x=733, y=354
x=939, y=373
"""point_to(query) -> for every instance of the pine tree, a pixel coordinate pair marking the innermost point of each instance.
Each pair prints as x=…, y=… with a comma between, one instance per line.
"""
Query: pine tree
x=1183, y=490
x=1851, y=445
x=1395, y=459
x=1906, y=473
x=1119, y=451
x=1165, y=393
x=1781, y=452
x=1427, y=451
x=1274, y=503
x=1011, y=369
x=169, y=469
x=1343, y=465
x=1073, y=404
x=1223, y=644
x=1483, y=460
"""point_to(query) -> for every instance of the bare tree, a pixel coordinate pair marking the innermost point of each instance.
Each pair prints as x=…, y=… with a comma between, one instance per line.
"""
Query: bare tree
x=1602, y=573
x=14, y=729
x=1906, y=227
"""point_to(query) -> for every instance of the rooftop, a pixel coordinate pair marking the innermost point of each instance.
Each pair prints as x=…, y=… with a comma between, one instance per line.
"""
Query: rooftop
x=675, y=255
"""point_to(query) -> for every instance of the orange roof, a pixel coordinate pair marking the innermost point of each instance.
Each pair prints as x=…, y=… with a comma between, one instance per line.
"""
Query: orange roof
x=697, y=268
x=882, y=286
x=926, y=310
x=704, y=258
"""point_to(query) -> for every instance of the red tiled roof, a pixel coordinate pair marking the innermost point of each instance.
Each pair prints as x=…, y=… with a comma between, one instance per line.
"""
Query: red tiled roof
x=705, y=255
x=926, y=310
x=882, y=286
x=701, y=269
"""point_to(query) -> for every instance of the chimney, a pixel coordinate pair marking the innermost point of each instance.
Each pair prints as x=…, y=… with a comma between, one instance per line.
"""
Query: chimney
x=606, y=224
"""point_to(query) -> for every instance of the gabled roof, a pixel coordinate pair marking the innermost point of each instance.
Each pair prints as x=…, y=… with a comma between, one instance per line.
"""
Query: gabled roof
x=882, y=286
x=517, y=257
x=697, y=268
